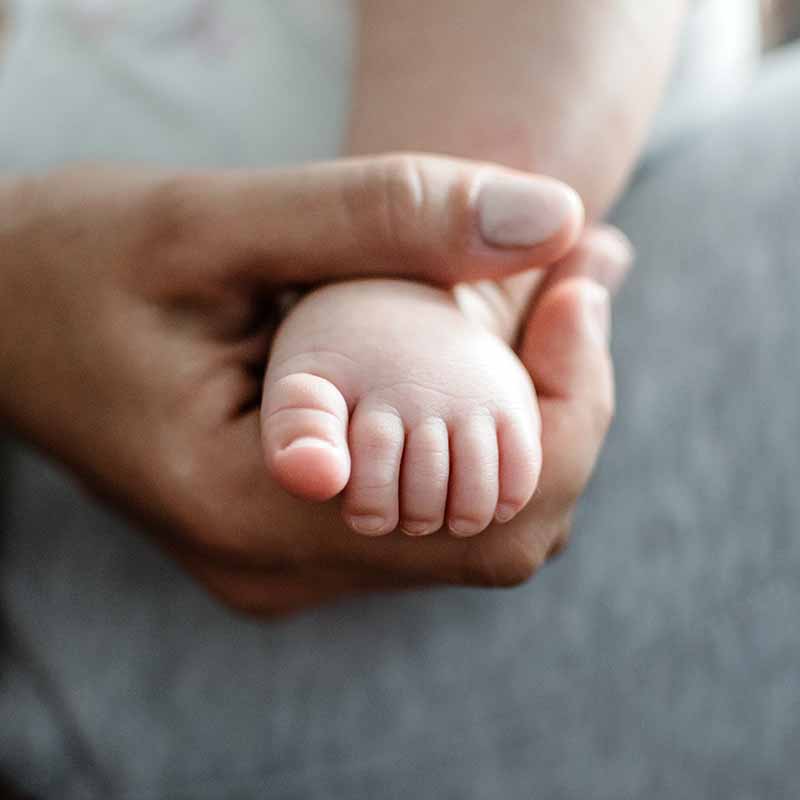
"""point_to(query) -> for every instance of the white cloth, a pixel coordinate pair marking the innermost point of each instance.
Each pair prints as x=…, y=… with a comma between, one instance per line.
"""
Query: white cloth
x=189, y=82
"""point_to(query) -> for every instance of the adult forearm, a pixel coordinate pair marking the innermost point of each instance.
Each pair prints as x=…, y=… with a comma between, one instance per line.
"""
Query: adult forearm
x=562, y=87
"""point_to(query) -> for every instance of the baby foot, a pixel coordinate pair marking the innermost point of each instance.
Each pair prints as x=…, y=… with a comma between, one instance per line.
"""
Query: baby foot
x=388, y=391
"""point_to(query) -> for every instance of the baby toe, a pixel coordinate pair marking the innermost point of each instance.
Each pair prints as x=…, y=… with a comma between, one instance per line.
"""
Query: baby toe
x=520, y=454
x=472, y=497
x=371, y=501
x=303, y=430
x=423, y=478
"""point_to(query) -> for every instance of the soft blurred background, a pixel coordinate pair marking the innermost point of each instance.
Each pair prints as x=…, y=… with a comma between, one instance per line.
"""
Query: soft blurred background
x=723, y=45
x=781, y=20
x=742, y=28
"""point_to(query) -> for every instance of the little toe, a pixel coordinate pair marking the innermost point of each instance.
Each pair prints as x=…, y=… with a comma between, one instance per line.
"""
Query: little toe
x=304, y=435
x=371, y=502
x=423, y=478
x=520, y=453
x=473, y=493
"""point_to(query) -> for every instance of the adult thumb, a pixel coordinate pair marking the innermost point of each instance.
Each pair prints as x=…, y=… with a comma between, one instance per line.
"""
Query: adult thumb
x=424, y=217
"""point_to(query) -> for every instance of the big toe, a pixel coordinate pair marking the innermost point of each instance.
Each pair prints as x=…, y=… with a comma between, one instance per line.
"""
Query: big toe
x=304, y=434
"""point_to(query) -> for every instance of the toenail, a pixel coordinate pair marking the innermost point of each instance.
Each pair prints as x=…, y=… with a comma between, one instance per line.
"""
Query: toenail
x=308, y=441
x=464, y=527
x=369, y=525
x=417, y=528
x=505, y=512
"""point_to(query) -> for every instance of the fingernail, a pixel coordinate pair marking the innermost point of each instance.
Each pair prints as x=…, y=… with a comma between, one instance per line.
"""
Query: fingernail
x=597, y=312
x=515, y=211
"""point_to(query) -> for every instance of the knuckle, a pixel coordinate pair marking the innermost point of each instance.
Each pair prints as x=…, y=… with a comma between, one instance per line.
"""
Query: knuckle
x=380, y=431
x=231, y=599
x=172, y=228
x=243, y=604
x=423, y=211
x=561, y=541
x=512, y=564
x=383, y=434
x=366, y=490
x=399, y=189
x=165, y=206
x=242, y=591
x=204, y=518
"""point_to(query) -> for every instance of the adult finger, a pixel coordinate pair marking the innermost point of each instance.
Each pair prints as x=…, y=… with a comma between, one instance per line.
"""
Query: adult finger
x=424, y=217
x=275, y=593
x=603, y=253
x=565, y=349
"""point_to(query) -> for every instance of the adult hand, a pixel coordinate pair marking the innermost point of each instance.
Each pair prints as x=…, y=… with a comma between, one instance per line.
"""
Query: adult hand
x=565, y=347
x=134, y=330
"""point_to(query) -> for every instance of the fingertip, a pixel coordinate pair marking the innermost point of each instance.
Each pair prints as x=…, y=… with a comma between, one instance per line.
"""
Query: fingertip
x=609, y=256
x=617, y=242
x=567, y=336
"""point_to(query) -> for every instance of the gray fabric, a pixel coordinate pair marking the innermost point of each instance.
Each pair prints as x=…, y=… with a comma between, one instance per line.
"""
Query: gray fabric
x=658, y=658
